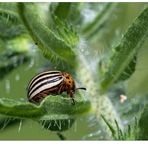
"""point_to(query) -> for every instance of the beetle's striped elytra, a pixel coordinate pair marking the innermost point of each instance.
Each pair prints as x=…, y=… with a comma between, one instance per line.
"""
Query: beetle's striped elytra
x=51, y=83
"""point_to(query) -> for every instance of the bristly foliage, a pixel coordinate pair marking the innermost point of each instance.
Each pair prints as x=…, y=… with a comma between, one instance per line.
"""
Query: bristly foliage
x=49, y=43
x=124, y=55
x=68, y=43
x=10, y=24
x=99, y=21
x=143, y=122
x=65, y=31
x=53, y=107
x=128, y=133
x=71, y=12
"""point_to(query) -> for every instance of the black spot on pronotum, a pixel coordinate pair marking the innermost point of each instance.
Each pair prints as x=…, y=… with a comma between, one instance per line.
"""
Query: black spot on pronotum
x=36, y=43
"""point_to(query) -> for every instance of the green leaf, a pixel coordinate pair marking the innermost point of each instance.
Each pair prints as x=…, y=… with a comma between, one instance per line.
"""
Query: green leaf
x=57, y=125
x=129, y=69
x=10, y=60
x=14, y=55
x=57, y=8
x=66, y=32
x=9, y=15
x=126, y=50
x=71, y=12
x=9, y=6
x=140, y=75
x=19, y=108
x=113, y=131
x=102, y=17
x=6, y=122
x=128, y=133
x=51, y=108
x=143, y=122
x=10, y=24
x=51, y=45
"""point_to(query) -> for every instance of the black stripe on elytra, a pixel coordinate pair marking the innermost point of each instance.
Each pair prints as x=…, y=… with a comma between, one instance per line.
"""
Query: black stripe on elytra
x=40, y=80
x=51, y=91
x=54, y=88
x=54, y=80
x=40, y=96
x=40, y=75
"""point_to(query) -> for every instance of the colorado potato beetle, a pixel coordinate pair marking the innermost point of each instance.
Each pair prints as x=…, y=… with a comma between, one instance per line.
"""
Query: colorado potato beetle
x=51, y=83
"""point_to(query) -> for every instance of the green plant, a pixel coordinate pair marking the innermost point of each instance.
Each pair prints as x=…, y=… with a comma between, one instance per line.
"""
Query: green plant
x=66, y=43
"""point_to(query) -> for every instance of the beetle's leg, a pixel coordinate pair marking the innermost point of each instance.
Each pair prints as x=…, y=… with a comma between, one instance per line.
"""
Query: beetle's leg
x=73, y=101
x=60, y=89
x=72, y=97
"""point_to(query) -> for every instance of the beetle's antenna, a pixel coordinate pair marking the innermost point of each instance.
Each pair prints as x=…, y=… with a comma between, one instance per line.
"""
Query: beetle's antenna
x=81, y=88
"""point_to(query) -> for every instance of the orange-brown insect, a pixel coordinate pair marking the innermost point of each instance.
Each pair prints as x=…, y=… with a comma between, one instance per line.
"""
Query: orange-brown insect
x=51, y=83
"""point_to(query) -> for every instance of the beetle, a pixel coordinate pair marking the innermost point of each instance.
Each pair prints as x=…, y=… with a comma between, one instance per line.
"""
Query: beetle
x=51, y=83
